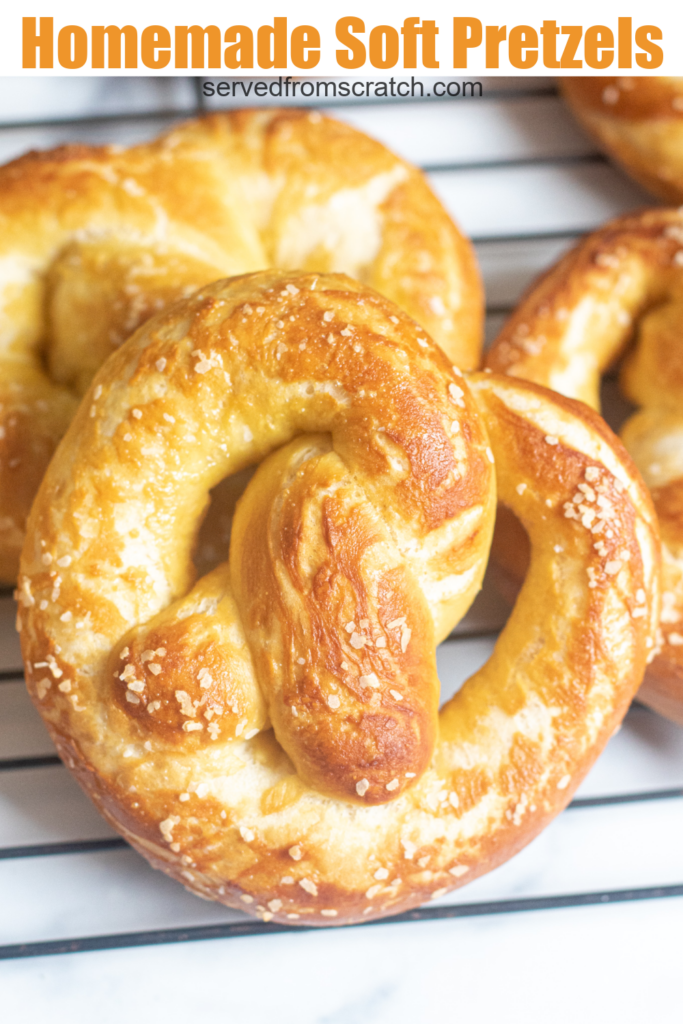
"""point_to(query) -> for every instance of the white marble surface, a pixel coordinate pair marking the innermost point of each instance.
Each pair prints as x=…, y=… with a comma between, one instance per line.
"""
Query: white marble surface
x=617, y=963
x=511, y=165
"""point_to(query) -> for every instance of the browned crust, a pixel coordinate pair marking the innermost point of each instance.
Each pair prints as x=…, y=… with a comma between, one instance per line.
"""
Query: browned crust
x=668, y=501
x=663, y=685
x=642, y=245
x=96, y=239
x=368, y=520
x=638, y=122
x=629, y=274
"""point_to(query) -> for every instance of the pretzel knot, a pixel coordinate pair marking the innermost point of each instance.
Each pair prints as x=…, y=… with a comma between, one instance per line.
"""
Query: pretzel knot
x=639, y=122
x=93, y=241
x=270, y=734
x=623, y=282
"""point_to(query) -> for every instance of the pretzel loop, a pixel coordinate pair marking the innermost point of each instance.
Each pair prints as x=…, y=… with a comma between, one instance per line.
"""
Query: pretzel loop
x=639, y=122
x=93, y=241
x=623, y=283
x=269, y=734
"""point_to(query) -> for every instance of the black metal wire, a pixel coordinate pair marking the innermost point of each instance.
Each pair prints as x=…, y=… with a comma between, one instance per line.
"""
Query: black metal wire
x=12, y=764
x=59, y=849
x=506, y=164
x=197, y=83
x=12, y=675
x=322, y=102
x=239, y=929
x=581, y=802
x=116, y=843
x=531, y=236
x=166, y=114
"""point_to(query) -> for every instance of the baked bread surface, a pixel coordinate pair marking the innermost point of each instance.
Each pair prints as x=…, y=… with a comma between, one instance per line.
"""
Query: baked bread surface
x=95, y=240
x=638, y=122
x=620, y=291
x=269, y=734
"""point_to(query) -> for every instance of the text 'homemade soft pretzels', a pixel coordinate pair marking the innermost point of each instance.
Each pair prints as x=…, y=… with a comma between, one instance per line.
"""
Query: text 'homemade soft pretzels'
x=623, y=282
x=270, y=735
x=639, y=122
x=95, y=240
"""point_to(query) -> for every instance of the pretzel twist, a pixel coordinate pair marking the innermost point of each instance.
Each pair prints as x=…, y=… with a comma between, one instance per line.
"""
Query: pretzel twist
x=623, y=282
x=95, y=240
x=639, y=122
x=270, y=734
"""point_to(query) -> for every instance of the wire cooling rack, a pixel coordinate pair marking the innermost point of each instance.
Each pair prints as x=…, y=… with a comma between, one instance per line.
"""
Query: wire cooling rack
x=523, y=182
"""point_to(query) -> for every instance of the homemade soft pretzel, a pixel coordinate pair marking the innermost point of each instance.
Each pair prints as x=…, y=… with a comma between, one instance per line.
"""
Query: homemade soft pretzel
x=94, y=240
x=639, y=122
x=624, y=281
x=270, y=735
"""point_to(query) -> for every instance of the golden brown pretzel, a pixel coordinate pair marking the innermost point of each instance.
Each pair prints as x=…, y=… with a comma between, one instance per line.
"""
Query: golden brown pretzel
x=623, y=282
x=639, y=122
x=93, y=241
x=270, y=735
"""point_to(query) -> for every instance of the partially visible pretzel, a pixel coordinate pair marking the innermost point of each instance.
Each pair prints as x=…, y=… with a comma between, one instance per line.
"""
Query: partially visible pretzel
x=270, y=735
x=94, y=240
x=639, y=122
x=623, y=282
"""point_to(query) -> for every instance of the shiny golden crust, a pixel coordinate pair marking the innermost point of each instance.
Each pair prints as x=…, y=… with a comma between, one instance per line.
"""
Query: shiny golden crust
x=638, y=122
x=95, y=240
x=622, y=284
x=270, y=736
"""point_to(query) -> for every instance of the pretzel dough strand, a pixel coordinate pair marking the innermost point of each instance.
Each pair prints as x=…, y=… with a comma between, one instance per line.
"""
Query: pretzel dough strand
x=93, y=241
x=639, y=122
x=360, y=540
x=624, y=281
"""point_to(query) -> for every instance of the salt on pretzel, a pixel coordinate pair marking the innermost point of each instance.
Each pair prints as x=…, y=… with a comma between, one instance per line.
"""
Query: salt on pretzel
x=638, y=122
x=270, y=735
x=95, y=240
x=623, y=282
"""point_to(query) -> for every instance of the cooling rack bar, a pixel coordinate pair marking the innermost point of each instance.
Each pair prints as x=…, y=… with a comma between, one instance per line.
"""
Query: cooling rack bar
x=200, y=106
x=116, y=843
x=560, y=160
x=54, y=849
x=474, y=634
x=11, y=675
x=12, y=764
x=509, y=163
x=529, y=236
x=87, y=119
x=331, y=102
x=625, y=798
x=536, y=92
x=243, y=928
